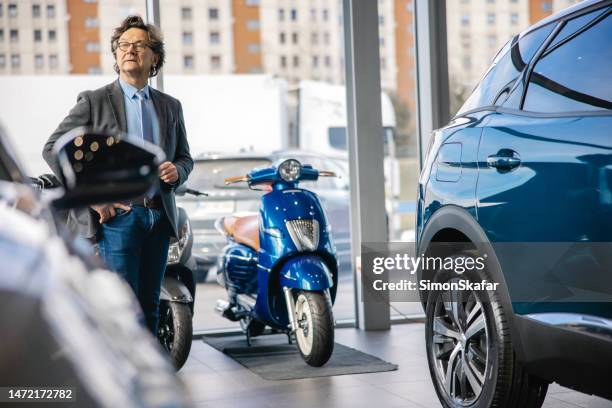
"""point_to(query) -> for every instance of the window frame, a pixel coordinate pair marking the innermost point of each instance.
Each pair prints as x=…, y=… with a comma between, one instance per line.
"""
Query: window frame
x=544, y=51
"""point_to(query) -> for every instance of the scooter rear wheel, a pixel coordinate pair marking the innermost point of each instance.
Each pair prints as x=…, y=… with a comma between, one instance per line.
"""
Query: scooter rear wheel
x=315, y=333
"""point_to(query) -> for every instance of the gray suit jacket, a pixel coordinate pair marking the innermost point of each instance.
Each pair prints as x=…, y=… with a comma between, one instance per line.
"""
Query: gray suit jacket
x=104, y=109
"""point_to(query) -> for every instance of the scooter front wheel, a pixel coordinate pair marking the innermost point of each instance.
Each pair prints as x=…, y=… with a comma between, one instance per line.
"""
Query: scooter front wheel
x=315, y=333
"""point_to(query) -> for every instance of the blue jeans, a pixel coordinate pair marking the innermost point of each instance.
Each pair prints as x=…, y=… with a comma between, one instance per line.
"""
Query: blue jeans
x=135, y=245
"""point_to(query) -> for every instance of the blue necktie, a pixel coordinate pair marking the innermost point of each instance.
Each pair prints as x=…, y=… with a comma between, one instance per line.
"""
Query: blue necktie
x=146, y=127
x=146, y=124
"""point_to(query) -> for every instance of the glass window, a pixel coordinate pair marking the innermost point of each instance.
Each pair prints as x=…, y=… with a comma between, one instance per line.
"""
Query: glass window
x=92, y=46
x=215, y=61
x=281, y=14
x=51, y=11
x=186, y=13
x=36, y=10
x=315, y=61
x=14, y=35
x=52, y=35
x=12, y=10
x=381, y=20
x=283, y=61
x=39, y=61
x=2, y=60
x=465, y=19
x=252, y=2
x=91, y=22
x=313, y=14
x=325, y=14
x=215, y=37
x=296, y=61
x=1, y=34
x=187, y=38
x=254, y=48
x=281, y=38
x=490, y=18
x=574, y=75
x=213, y=13
x=188, y=61
x=1, y=9
x=514, y=18
x=293, y=14
x=575, y=24
x=294, y=38
x=37, y=36
x=53, y=61
x=326, y=38
x=253, y=24
x=314, y=38
x=327, y=61
x=505, y=69
x=15, y=61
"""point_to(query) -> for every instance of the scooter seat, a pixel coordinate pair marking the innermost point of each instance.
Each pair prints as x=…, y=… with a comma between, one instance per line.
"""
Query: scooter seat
x=243, y=229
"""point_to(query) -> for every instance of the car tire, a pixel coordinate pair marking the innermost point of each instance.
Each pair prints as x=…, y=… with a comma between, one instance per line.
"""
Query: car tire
x=470, y=332
x=175, y=331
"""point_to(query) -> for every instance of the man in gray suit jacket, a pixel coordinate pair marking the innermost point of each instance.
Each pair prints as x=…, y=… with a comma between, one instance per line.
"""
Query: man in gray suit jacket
x=133, y=236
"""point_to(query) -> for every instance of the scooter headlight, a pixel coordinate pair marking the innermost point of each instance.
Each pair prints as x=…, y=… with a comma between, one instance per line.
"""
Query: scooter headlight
x=176, y=248
x=290, y=170
x=304, y=234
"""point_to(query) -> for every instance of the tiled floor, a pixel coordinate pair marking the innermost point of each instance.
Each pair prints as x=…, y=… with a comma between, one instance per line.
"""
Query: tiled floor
x=215, y=380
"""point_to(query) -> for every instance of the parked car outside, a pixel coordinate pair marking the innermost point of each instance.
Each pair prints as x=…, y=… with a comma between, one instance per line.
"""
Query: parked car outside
x=526, y=164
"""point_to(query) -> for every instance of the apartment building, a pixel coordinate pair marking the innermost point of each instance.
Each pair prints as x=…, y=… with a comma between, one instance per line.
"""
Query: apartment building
x=33, y=37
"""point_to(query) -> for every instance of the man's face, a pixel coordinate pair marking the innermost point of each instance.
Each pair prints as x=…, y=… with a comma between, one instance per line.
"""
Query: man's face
x=136, y=60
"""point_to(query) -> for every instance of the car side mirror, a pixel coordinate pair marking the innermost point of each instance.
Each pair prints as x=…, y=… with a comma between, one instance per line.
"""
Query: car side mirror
x=97, y=167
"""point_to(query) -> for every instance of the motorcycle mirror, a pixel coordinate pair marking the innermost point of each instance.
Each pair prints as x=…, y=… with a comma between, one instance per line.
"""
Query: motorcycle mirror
x=98, y=167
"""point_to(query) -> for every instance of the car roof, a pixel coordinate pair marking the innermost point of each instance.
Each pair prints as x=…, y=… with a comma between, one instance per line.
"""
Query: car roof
x=567, y=12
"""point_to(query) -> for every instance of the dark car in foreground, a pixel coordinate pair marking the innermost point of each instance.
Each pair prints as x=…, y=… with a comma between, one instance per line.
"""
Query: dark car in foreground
x=207, y=176
x=522, y=175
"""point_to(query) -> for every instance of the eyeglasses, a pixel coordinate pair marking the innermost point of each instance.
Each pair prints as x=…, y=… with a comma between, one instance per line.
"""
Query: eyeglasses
x=138, y=46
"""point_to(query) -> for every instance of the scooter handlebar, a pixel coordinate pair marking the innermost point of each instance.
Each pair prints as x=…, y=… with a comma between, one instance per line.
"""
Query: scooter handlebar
x=236, y=179
x=325, y=173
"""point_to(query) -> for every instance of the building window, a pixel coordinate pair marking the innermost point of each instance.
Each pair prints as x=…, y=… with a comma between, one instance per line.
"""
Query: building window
x=313, y=14
x=52, y=35
x=215, y=61
x=92, y=46
x=293, y=14
x=215, y=37
x=90, y=1
x=36, y=10
x=326, y=38
x=51, y=11
x=254, y=48
x=492, y=39
x=281, y=14
x=186, y=14
x=383, y=63
x=1, y=9
x=187, y=38
x=1, y=35
x=283, y=61
x=381, y=41
x=296, y=61
x=315, y=61
x=325, y=15
x=281, y=38
x=490, y=18
x=381, y=20
x=253, y=25
x=39, y=61
x=15, y=61
x=467, y=63
x=252, y=2
x=547, y=6
x=294, y=38
x=188, y=61
x=213, y=13
x=91, y=22
x=2, y=60
x=514, y=18
x=490, y=1
x=12, y=10
x=37, y=35
x=14, y=34
x=94, y=70
x=327, y=61
x=465, y=19
x=53, y=61
x=314, y=38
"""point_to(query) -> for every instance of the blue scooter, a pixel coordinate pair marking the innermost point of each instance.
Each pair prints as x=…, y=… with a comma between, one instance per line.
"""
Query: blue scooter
x=280, y=267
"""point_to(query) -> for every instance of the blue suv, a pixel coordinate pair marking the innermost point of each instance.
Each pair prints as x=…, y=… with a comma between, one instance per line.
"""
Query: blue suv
x=523, y=167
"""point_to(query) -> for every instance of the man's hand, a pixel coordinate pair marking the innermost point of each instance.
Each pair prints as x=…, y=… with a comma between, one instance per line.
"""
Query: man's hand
x=107, y=211
x=168, y=172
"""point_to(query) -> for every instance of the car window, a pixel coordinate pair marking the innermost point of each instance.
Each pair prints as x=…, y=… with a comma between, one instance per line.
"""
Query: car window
x=574, y=24
x=574, y=75
x=505, y=69
x=210, y=174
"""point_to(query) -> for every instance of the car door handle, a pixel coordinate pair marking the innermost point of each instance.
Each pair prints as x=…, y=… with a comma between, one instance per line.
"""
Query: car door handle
x=505, y=159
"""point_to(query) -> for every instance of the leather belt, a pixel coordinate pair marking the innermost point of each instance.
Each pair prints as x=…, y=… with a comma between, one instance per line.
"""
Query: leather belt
x=154, y=202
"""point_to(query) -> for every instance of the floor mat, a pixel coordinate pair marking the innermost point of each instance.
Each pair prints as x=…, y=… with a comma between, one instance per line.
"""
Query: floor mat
x=272, y=358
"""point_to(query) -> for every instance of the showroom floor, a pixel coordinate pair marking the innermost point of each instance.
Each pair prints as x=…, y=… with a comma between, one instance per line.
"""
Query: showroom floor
x=215, y=380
